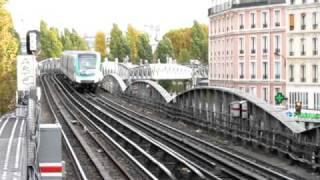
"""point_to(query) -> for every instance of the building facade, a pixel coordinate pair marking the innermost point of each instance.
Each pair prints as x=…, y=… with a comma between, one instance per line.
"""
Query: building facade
x=247, y=46
x=303, y=58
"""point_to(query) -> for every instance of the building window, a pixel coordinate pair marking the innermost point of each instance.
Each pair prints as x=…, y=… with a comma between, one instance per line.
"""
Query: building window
x=277, y=17
x=291, y=71
x=303, y=21
x=315, y=47
x=298, y=97
x=264, y=20
x=291, y=21
x=316, y=97
x=277, y=44
x=241, y=45
x=265, y=70
x=253, y=45
x=253, y=21
x=253, y=70
x=241, y=21
x=314, y=19
x=264, y=44
x=303, y=52
x=315, y=73
x=253, y=90
x=241, y=70
x=291, y=47
x=277, y=70
x=265, y=94
x=303, y=73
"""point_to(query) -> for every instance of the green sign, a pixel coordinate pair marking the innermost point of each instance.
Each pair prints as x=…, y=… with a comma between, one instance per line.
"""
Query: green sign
x=279, y=98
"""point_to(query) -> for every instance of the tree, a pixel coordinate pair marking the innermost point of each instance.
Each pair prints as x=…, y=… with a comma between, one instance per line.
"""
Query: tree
x=100, y=44
x=164, y=50
x=119, y=47
x=199, y=42
x=132, y=39
x=51, y=45
x=8, y=51
x=144, y=48
x=72, y=40
x=181, y=40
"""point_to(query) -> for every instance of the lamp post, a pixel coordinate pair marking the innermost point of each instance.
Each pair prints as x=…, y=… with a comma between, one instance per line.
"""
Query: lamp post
x=284, y=65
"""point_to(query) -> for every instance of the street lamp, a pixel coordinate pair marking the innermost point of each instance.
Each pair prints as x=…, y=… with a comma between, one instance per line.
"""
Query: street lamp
x=284, y=64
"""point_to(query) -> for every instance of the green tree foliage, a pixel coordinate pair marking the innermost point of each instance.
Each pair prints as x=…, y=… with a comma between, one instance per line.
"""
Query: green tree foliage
x=144, y=48
x=100, y=44
x=164, y=50
x=73, y=41
x=51, y=45
x=8, y=51
x=133, y=38
x=181, y=42
x=119, y=47
x=199, y=42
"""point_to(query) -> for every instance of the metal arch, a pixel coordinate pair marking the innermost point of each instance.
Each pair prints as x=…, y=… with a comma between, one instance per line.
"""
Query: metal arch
x=277, y=114
x=161, y=91
x=117, y=79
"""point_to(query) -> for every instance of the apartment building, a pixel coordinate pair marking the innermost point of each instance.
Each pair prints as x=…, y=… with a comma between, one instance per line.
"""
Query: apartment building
x=303, y=58
x=247, y=46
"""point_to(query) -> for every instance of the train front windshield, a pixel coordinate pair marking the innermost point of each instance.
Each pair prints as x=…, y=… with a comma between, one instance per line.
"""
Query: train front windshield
x=87, y=61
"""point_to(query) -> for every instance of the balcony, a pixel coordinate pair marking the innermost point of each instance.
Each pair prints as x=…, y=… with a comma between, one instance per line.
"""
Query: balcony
x=265, y=51
x=253, y=51
x=291, y=28
x=265, y=25
x=303, y=53
x=315, y=52
x=253, y=26
x=303, y=27
x=315, y=80
x=277, y=76
x=253, y=76
x=277, y=24
x=291, y=53
x=241, y=26
x=303, y=79
x=314, y=26
x=241, y=76
x=265, y=77
x=241, y=51
x=291, y=79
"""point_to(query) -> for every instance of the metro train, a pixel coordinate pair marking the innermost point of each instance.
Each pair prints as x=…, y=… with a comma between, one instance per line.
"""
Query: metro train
x=82, y=68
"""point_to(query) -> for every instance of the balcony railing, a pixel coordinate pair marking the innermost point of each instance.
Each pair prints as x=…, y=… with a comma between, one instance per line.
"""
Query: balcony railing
x=241, y=26
x=241, y=76
x=291, y=79
x=265, y=50
x=315, y=80
x=291, y=28
x=264, y=76
x=303, y=27
x=241, y=51
x=253, y=26
x=253, y=76
x=303, y=53
x=277, y=76
x=291, y=53
x=265, y=25
x=315, y=52
x=303, y=79
x=315, y=26
x=277, y=24
x=253, y=51
x=277, y=51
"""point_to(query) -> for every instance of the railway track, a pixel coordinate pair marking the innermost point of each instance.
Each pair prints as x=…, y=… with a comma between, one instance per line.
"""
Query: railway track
x=228, y=163
x=90, y=157
x=155, y=159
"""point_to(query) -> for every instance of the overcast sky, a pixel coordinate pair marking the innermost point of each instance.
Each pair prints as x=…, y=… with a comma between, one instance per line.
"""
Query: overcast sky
x=89, y=16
